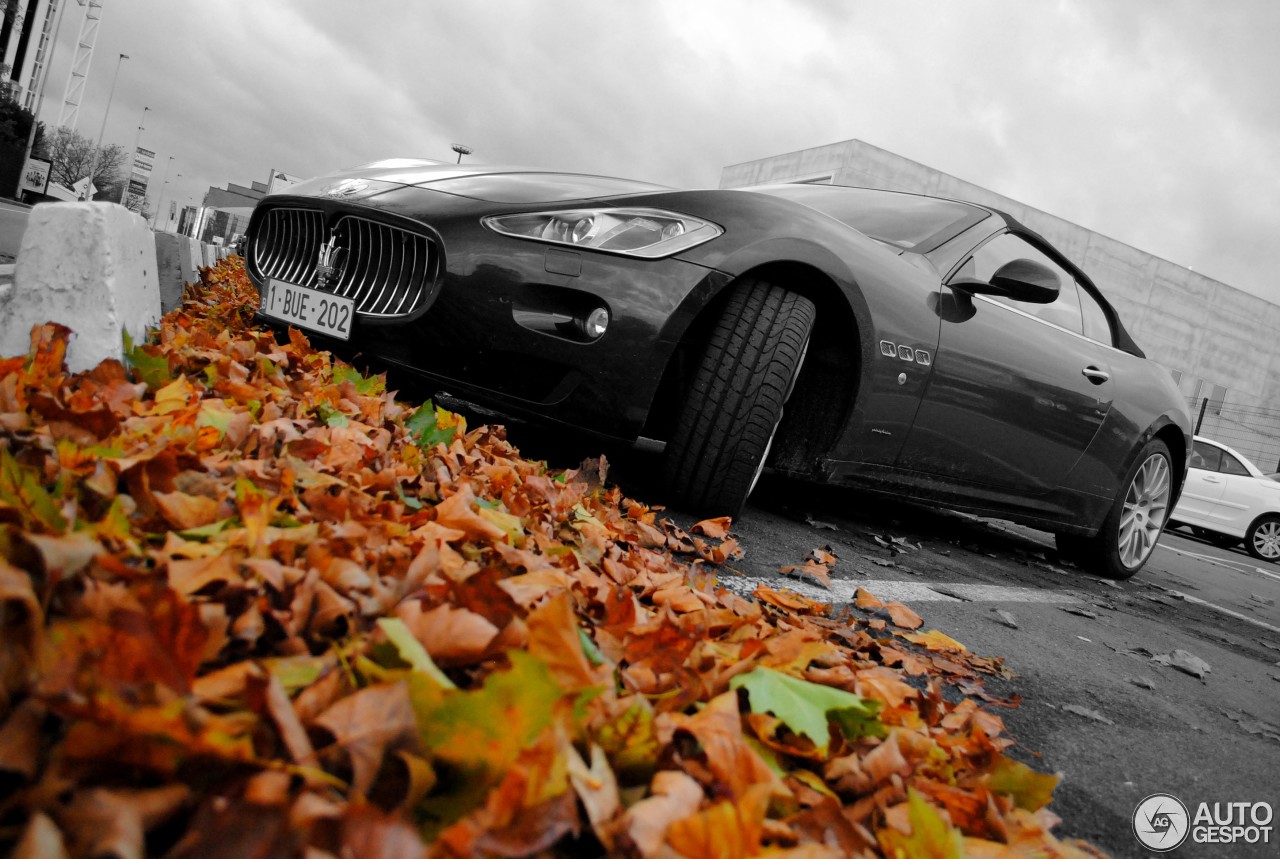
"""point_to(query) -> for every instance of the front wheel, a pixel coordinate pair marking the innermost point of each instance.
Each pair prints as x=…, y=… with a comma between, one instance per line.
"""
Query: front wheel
x=1263, y=539
x=731, y=411
x=1129, y=533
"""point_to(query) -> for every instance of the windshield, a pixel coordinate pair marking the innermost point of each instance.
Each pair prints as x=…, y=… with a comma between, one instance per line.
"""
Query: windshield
x=906, y=221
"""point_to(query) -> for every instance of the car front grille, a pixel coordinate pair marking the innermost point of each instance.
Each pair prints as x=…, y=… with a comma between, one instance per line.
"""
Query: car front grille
x=385, y=270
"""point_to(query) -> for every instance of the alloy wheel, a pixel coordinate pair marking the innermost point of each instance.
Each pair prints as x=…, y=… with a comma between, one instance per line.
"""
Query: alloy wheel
x=1146, y=506
x=1266, y=539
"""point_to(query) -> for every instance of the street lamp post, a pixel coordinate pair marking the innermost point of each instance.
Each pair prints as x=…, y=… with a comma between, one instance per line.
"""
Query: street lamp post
x=44, y=75
x=160, y=202
x=93, y=162
x=461, y=150
x=124, y=192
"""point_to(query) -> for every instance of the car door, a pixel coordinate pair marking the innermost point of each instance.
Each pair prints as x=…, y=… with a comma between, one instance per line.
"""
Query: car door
x=1236, y=505
x=1204, y=485
x=1017, y=391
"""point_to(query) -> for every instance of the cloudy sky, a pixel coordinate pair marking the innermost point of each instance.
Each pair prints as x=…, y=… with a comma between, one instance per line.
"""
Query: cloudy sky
x=1156, y=122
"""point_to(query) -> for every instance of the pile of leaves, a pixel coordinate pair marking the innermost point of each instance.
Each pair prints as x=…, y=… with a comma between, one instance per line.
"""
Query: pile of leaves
x=252, y=605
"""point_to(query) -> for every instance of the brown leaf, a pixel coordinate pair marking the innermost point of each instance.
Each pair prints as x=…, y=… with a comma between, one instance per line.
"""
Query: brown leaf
x=672, y=795
x=369, y=723
x=184, y=511
x=103, y=822
x=554, y=638
x=21, y=632
x=453, y=636
x=457, y=512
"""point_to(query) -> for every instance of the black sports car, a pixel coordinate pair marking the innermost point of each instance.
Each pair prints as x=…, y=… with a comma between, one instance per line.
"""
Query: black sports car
x=928, y=348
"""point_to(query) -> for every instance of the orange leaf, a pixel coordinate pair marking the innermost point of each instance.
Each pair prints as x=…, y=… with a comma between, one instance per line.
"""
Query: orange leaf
x=903, y=616
x=716, y=529
x=866, y=600
x=555, y=639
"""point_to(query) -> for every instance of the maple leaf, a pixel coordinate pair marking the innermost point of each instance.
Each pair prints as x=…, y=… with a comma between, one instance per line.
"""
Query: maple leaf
x=481, y=732
x=927, y=836
x=806, y=707
x=726, y=830
x=1029, y=789
x=21, y=490
x=429, y=426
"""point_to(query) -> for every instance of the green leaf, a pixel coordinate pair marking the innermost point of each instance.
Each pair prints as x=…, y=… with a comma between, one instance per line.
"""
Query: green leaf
x=931, y=836
x=424, y=427
x=476, y=736
x=1029, y=789
x=21, y=489
x=331, y=416
x=411, y=650
x=805, y=707
x=152, y=369
x=367, y=386
x=409, y=501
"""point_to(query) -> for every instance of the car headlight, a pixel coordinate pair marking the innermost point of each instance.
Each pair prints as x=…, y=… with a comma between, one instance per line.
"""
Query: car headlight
x=649, y=233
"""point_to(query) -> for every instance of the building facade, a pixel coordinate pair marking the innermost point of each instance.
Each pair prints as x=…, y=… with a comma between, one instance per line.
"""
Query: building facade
x=1219, y=342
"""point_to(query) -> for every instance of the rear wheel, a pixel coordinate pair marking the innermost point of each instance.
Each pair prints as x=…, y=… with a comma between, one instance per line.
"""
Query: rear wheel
x=1129, y=533
x=725, y=427
x=1263, y=539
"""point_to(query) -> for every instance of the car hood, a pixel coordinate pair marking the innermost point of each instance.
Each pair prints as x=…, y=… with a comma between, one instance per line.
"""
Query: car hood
x=490, y=183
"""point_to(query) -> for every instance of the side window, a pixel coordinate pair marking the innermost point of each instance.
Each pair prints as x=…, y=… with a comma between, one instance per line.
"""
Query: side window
x=1008, y=247
x=1096, y=324
x=1205, y=456
x=1231, y=465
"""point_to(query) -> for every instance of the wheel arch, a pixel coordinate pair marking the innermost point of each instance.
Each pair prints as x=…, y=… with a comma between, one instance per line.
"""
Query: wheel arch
x=827, y=386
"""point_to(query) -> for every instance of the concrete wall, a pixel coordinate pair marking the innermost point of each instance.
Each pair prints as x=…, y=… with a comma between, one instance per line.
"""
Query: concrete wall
x=1208, y=331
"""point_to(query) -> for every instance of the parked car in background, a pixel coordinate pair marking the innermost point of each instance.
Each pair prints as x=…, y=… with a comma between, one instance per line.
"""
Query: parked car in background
x=1228, y=499
x=925, y=348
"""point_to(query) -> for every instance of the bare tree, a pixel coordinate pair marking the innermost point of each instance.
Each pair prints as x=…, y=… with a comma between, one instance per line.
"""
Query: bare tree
x=138, y=203
x=72, y=155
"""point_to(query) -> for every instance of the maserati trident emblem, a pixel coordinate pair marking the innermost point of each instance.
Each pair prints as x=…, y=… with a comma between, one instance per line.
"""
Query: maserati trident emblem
x=329, y=265
x=345, y=188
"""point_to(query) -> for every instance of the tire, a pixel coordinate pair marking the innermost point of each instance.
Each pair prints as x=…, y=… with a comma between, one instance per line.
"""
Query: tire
x=1222, y=541
x=1263, y=539
x=725, y=427
x=1138, y=516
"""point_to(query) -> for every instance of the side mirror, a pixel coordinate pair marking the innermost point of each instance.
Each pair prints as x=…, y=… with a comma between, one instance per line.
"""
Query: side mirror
x=1019, y=280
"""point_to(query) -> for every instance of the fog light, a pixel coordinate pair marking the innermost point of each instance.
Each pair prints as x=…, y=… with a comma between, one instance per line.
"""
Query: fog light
x=596, y=322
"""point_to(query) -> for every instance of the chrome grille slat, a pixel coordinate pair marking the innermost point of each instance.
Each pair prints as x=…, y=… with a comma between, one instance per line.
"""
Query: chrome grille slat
x=387, y=271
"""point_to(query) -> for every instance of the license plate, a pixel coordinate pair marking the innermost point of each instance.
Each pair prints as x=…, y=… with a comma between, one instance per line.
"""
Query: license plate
x=309, y=308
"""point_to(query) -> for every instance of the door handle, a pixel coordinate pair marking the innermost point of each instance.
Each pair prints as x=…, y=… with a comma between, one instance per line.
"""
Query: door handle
x=1095, y=374
x=1212, y=480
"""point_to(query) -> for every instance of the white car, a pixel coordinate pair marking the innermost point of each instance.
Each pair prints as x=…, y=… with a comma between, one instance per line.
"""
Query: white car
x=1228, y=499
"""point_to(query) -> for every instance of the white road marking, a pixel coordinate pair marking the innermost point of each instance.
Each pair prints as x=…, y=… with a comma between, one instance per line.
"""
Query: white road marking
x=843, y=590
x=1237, y=615
x=1230, y=563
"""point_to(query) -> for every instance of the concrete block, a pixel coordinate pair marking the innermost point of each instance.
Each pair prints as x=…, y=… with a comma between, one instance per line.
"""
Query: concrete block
x=90, y=267
x=169, y=268
x=197, y=257
x=210, y=255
